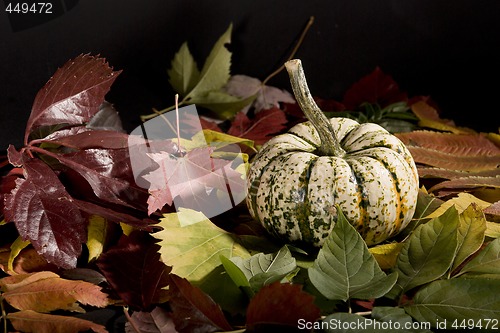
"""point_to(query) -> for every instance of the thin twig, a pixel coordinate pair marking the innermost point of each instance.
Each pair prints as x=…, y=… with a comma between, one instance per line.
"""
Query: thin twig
x=130, y=320
x=294, y=50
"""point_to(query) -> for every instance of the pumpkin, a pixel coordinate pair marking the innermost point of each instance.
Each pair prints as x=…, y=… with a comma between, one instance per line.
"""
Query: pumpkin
x=298, y=180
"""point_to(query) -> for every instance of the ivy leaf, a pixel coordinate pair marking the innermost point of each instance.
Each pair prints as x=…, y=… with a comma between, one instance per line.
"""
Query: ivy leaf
x=471, y=229
x=52, y=222
x=31, y=321
x=429, y=252
x=344, y=267
x=263, y=269
x=134, y=269
x=192, y=309
x=281, y=304
x=184, y=73
x=456, y=299
x=485, y=262
x=194, y=250
x=73, y=95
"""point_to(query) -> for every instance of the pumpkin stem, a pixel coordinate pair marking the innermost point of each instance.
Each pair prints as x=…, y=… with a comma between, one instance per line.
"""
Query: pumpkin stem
x=329, y=144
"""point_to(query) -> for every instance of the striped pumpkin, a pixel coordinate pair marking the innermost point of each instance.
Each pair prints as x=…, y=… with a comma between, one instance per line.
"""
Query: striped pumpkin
x=299, y=179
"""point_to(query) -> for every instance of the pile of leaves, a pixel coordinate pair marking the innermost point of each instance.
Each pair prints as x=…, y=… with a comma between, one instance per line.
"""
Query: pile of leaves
x=79, y=234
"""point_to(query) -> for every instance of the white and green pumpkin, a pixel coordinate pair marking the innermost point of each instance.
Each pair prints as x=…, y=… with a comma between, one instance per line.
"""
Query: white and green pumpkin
x=298, y=179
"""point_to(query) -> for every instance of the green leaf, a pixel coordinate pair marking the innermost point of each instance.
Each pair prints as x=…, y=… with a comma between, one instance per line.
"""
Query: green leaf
x=428, y=253
x=216, y=70
x=397, y=317
x=237, y=276
x=486, y=262
x=346, y=269
x=17, y=246
x=221, y=288
x=194, y=249
x=344, y=322
x=471, y=231
x=263, y=269
x=456, y=299
x=225, y=106
x=184, y=73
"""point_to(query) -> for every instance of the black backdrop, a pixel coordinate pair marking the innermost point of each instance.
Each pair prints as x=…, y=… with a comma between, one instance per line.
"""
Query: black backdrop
x=445, y=49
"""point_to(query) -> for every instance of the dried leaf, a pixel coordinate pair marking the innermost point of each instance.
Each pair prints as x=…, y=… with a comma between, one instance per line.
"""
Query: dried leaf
x=461, y=202
x=48, y=292
x=192, y=309
x=31, y=321
x=53, y=223
x=73, y=95
x=468, y=183
x=157, y=321
x=281, y=304
x=429, y=118
x=453, y=174
x=134, y=269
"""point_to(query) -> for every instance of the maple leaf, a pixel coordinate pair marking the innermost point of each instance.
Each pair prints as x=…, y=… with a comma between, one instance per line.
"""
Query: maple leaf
x=192, y=309
x=193, y=178
x=45, y=214
x=134, y=269
x=73, y=95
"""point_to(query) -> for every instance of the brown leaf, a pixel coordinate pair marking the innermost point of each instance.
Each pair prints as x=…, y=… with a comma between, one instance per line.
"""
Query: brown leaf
x=454, y=174
x=451, y=161
x=157, y=321
x=31, y=321
x=46, y=292
x=193, y=310
x=456, y=144
x=468, y=183
x=281, y=304
x=494, y=209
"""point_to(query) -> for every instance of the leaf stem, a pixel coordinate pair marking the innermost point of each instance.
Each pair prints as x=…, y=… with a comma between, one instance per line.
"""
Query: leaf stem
x=294, y=50
x=329, y=145
x=130, y=320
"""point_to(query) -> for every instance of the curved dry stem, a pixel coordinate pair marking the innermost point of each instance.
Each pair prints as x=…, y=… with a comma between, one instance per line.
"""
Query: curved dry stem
x=329, y=144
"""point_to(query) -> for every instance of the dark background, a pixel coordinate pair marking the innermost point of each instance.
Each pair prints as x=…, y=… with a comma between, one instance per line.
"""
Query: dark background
x=446, y=49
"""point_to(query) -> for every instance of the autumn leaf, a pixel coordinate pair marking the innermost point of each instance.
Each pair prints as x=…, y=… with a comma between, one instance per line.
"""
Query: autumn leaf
x=53, y=223
x=429, y=118
x=376, y=87
x=281, y=304
x=193, y=179
x=73, y=95
x=193, y=248
x=46, y=292
x=134, y=269
x=158, y=320
x=192, y=309
x=261, y=127
x=31, y=321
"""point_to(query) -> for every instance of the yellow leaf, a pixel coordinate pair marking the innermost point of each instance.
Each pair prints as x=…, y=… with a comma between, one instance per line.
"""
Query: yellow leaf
x=461, y=203
x=16, y=248
x=96, y=236
x=492, y=229
x=192, y=244
x=126, y=229
x=386, y=254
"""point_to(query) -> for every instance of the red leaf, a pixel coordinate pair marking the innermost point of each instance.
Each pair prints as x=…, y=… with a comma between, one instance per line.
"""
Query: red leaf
x=135, y=271
x=191, y=177
x=157, y=321
x=281, y=304
x=45, y=214
x=261, y=128
x=84, y=138
x=73, y=95
x=192, y=309
x=376, y=87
